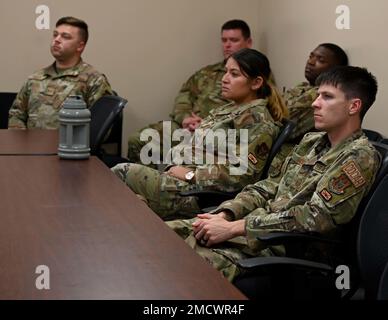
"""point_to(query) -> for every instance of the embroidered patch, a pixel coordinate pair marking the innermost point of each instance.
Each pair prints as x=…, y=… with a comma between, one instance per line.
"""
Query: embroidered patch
x=252, y=158
x=326, y=195
x=262, y=151
x=351, y=170
x=339, y=184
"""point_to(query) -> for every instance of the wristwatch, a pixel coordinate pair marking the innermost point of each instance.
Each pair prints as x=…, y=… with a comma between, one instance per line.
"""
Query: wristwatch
x=189, y=175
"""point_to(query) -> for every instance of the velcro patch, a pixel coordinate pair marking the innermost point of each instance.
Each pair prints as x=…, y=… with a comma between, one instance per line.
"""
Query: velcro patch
x=326, y=195
x=352, y=171
x=252, y=158
x=262, y=151
x=339, y=184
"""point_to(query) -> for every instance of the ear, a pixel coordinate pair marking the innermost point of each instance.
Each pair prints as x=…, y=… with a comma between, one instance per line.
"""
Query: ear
x=81, y=47
x=355, y=106
x=257, y=83
x=249, y=43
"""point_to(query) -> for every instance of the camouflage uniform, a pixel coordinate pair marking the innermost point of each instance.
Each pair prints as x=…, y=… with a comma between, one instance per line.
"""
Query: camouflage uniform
x=162, y=190
x=199, y=94
x=299, y=102
x=319, y=189
x=42, y=95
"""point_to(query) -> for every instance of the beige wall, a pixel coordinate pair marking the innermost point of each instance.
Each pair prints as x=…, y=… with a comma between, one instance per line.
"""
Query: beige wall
x=147, y=48
x=289, y=30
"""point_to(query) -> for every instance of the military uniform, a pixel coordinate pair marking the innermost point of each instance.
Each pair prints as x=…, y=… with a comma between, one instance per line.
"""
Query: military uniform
x=199, y=94
x=318, y=189
x=162, y=190
x=299, y=100
x=42, y=95
x=299, y=103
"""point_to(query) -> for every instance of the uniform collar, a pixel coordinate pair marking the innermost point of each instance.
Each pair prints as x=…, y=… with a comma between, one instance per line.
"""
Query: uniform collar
x=52, y=71
x=323, y=150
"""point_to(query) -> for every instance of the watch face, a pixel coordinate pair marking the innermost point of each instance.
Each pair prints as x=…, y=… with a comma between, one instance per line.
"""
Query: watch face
x=189, y=175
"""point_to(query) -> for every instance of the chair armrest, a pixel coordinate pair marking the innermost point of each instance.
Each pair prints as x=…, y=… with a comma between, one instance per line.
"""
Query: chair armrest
x=278, y=238
x=260, y=262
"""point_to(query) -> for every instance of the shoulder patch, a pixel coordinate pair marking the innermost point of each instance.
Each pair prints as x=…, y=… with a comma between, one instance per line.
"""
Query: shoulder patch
x=353, y=173
x=339, y=184
x=262, y=150
x=252, y=158
x=326, y=195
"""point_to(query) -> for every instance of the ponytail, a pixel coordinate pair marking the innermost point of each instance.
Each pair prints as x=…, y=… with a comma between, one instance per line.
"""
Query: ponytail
x=276, y=105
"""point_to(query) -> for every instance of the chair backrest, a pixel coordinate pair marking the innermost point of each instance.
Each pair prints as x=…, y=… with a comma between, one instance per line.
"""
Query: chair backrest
x=372, y=240
x=286, y=131
x=6, y=100
x=104, y=113
x=351, y=230
x=373, y=135
x=382, y=148
x=384, y=140
x=383, y=285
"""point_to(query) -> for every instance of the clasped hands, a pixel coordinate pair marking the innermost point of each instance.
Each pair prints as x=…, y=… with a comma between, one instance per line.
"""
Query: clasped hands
x=210, y=229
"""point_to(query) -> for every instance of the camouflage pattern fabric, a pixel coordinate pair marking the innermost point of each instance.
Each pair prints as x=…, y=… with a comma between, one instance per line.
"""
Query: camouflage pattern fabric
x=38, y=103
x=162, y=190
x=135, y=144
x=199, y=94
x=299, y=100
x=317, y=189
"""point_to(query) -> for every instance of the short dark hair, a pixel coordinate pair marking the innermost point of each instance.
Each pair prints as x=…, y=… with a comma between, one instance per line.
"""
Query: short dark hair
x=338, y=52
x=238, y=24
x=83, y=27
x=355, y=82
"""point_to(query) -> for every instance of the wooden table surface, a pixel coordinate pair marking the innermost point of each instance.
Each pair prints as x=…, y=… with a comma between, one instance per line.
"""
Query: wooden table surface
x=28, y=142
x=97, y=238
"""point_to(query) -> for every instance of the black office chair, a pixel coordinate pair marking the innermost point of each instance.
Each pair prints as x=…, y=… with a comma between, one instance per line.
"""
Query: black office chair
x=383, y=286
x=372, y=241
x=6, y=100
x=209, y=198
x=384, y=140
x=104, y=112
x=373, y=135
x=294, y=276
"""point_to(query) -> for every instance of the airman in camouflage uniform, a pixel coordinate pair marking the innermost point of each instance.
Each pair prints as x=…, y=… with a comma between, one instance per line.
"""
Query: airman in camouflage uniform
x=202, y=91
x=161, y=191
x=38, y=103
x=300, y=98
x=200, y=94
x=318, y=188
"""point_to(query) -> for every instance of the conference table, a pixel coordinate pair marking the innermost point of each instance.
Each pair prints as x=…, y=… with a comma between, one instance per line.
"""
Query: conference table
x=70, y=229
x=28, y=142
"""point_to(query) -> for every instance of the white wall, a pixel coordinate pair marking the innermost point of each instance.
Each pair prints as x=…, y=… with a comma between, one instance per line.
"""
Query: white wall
x=147, y=48
x=289, y=30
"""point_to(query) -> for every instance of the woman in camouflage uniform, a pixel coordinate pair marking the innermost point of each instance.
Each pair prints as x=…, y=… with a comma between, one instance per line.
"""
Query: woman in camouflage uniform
x=257, y=108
